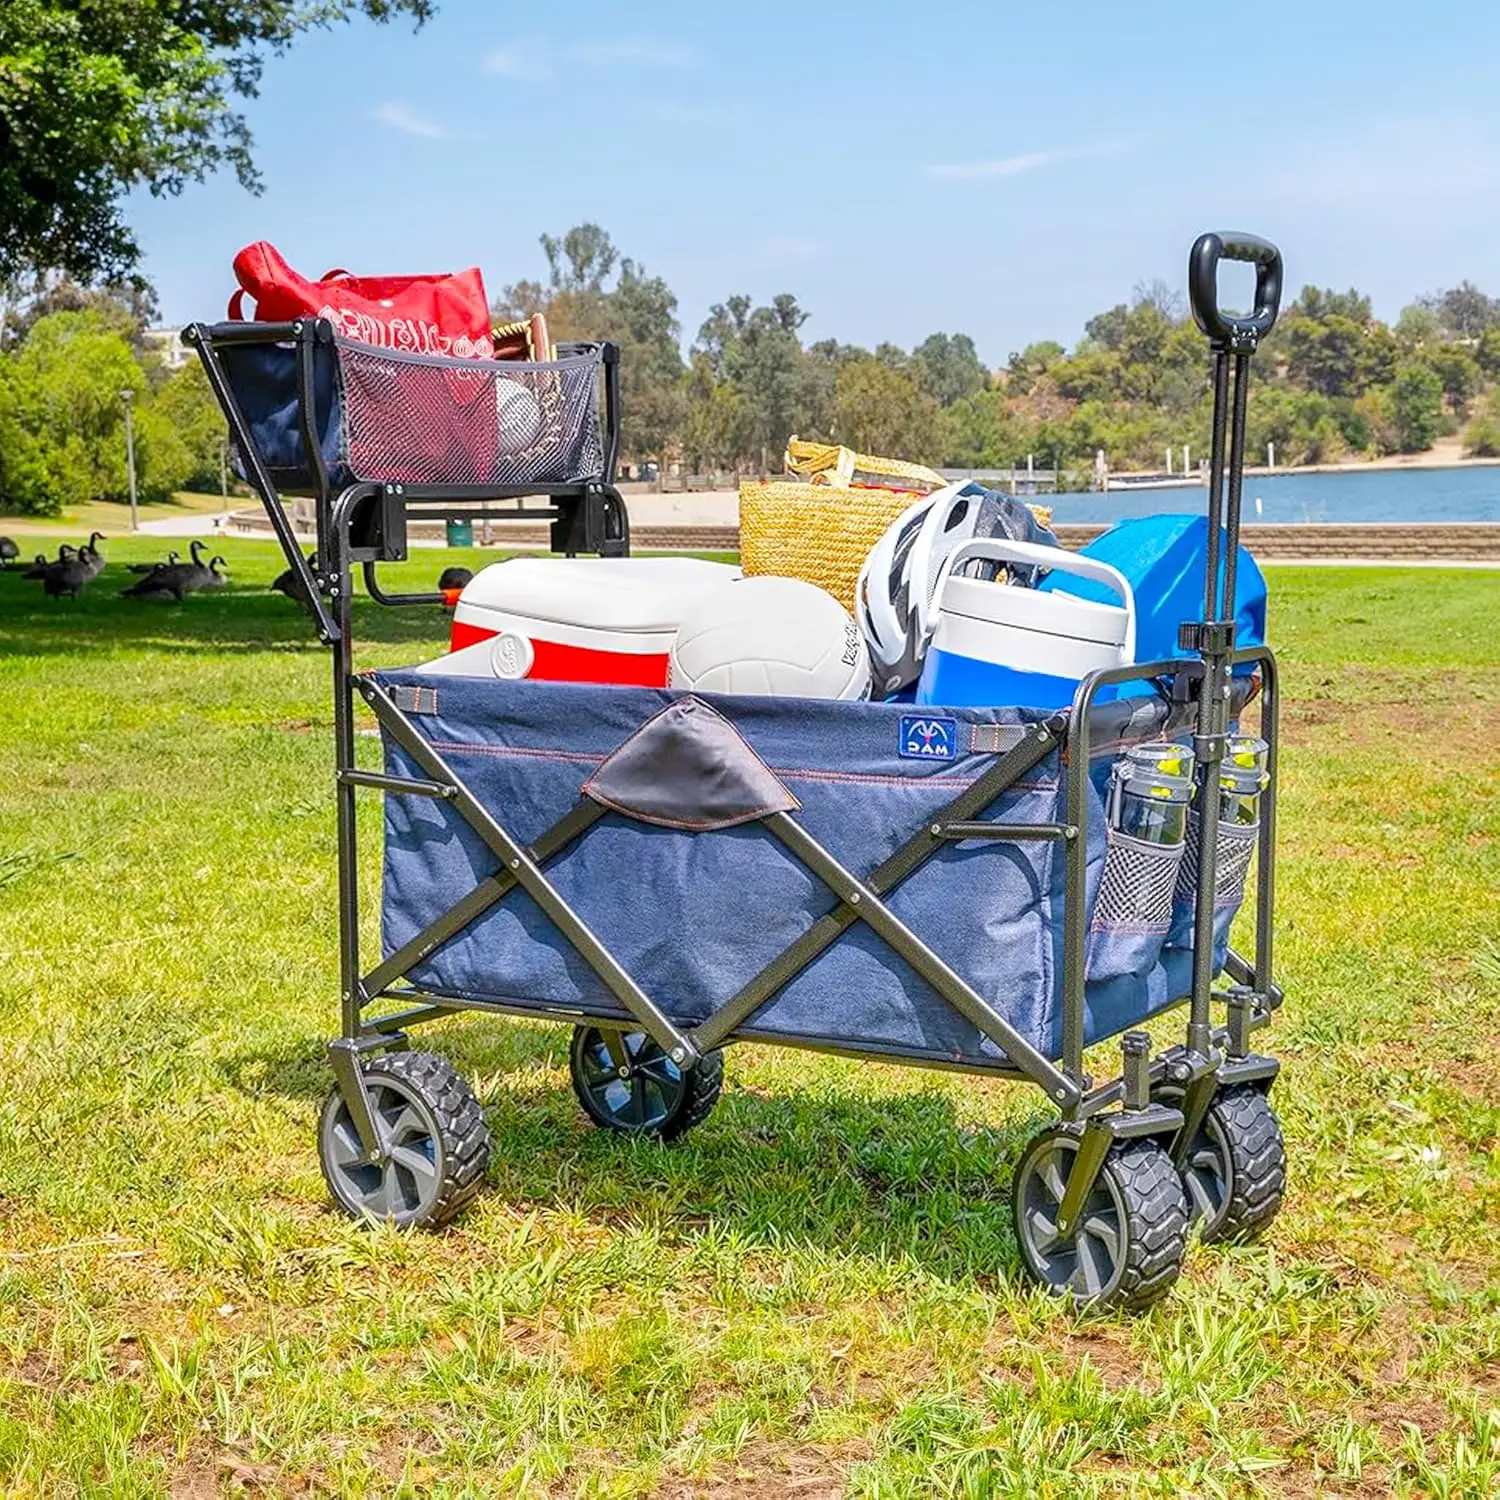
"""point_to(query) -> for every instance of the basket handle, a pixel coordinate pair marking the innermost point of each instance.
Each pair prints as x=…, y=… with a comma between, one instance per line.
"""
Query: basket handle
x=1002, y=549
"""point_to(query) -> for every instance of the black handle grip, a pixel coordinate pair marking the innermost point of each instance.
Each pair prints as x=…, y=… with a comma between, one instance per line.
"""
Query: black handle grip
x=1203, y=286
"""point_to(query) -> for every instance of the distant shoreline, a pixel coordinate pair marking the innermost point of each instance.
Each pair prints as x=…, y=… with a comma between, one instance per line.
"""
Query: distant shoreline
x=1445, y=454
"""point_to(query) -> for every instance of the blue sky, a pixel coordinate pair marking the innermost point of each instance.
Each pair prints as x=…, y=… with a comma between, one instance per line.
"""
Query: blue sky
x=902, y=168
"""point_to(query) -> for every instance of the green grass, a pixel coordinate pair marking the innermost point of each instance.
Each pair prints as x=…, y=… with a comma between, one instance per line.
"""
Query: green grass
x=816, y=1293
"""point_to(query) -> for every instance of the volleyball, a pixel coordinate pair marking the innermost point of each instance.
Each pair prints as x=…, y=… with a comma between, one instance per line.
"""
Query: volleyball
x=779, y=637
x=518, y=414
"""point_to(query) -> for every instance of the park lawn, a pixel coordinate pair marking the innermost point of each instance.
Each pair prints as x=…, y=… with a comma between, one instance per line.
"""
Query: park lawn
x=817, y=1292
x=112, y=517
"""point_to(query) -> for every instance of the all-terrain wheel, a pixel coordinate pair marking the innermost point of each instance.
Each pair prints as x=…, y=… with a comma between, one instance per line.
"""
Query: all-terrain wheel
x=626, y=1082
x=435, y=1134
x=1131, y=1235
x=1234, y=1170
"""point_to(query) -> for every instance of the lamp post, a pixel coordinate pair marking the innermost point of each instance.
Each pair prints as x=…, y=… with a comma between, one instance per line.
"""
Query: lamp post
x=128, y=398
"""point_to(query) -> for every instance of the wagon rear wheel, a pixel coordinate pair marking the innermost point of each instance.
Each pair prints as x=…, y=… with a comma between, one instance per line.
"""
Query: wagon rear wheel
x=1131, y=1236
x=626, y=1082
x=1234, y=1170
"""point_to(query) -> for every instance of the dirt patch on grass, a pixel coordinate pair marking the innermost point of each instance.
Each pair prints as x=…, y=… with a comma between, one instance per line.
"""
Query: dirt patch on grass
x=763, y=1470
x=1467, y=729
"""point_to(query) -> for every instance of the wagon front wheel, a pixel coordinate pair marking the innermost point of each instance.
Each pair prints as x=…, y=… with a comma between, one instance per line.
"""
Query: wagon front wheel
x=626, y=1082
x=1131, y=1236
x=434, y=1150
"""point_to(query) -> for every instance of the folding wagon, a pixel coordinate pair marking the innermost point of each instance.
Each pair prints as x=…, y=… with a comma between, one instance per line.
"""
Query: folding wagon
x=669, y=873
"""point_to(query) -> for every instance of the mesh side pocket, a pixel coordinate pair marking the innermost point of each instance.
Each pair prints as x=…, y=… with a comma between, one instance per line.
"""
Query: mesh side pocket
x=416, y=419
x=1237, y=843
x=1134, y=907
x=1236, y=849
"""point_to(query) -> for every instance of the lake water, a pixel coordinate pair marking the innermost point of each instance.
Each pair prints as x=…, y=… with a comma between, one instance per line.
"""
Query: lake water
x=1468, y=494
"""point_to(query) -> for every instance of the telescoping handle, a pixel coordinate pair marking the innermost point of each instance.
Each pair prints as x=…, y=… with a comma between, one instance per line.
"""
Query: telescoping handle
x=1203, y=286
x=1001, y=549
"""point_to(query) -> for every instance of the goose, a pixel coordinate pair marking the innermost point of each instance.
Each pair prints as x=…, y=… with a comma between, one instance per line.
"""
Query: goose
x=289, y=582
x=198, y=575
x=38, y=569
x=68, y=577
x=165, y=582
x=90, y=555
x=9, y=552
x=211, y=577
x=173, y=558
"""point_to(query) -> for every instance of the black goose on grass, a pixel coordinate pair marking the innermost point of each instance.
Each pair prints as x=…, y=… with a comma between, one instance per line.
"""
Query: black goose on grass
x=9, y=552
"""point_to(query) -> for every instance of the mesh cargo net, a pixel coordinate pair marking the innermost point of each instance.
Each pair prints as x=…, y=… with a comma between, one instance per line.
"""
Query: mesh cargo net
x=413, y=419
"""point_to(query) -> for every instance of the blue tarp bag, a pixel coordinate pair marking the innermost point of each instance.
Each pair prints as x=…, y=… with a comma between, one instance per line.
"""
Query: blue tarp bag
x=1165, y=560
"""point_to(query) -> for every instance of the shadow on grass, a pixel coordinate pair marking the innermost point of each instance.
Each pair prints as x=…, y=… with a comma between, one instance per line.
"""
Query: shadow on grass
x=235, y=620
x=816, y=1164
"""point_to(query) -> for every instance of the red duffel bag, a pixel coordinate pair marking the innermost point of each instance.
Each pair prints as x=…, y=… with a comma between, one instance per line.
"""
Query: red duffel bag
x=445, y=314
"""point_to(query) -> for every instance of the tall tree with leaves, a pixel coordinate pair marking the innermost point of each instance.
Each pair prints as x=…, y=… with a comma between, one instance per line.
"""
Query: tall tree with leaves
x=947, y=367
x=881, y=410
x=758, y=351
x=99, y=98
x=592, y=292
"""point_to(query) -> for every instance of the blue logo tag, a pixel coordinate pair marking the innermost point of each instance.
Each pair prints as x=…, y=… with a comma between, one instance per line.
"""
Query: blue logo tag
x=927, y=738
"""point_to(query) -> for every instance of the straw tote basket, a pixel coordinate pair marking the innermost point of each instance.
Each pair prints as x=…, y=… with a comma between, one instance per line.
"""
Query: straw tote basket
x=820, y=524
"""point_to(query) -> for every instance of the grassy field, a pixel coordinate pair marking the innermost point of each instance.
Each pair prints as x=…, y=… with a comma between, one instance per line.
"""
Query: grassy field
x=112, y=517
x=817, y=1293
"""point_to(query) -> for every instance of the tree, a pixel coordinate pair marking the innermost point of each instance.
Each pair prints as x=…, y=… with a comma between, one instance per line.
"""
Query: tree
x=1464, y=311
x=758, y=352
x=129, y=306
x=1108, y=329
x=1458, y=371
x=1417, y=407
x=581, y=261
x=638, y=312
x=641, y=316
x=1324, y=354
x=880, y=410
x=1033, y=362
x=1487, y=352
x=98, y=99
x=1319, y=303
x=947, y=367
x=715, y=431
x=1417, y=325
x=1161, y=297
x=1482, y=435
x=187, y=406
x=984, y=432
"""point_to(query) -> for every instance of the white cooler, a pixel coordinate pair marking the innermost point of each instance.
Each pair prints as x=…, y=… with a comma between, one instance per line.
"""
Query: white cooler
x=578, y=619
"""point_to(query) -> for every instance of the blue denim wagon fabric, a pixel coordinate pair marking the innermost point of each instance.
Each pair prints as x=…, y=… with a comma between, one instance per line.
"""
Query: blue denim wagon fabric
x=693, y=915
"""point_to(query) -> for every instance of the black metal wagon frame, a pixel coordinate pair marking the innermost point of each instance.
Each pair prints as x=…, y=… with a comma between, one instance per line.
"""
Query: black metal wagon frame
x=1103, y=1200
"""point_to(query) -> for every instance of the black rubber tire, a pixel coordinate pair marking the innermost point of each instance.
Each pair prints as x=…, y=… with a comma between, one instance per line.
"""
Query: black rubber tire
x=446, y=1125
x=1137, y=1200
x=1248, y=1137
x=683, y=1097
